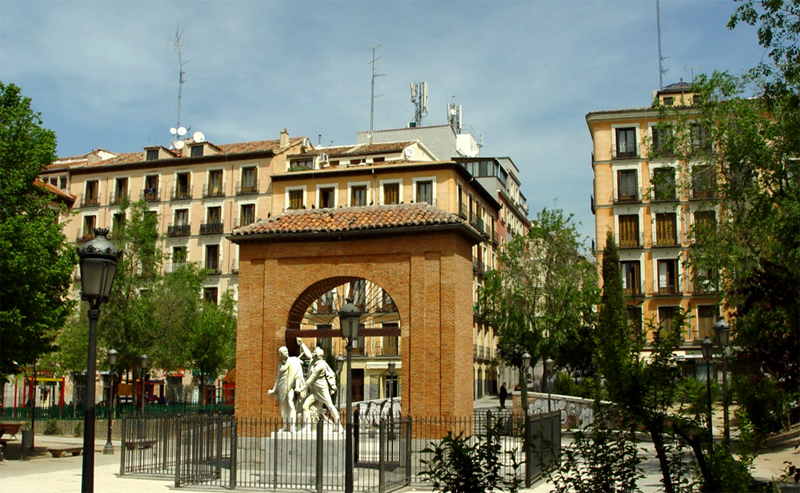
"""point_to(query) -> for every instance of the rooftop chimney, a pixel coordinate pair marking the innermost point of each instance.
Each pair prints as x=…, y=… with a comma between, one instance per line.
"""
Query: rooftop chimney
x=284, y=139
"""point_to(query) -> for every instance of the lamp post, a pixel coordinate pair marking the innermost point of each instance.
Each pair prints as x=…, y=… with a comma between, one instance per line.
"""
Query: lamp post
x=339, y=366
x=111, y=356
x=98, y=264
x=707, y=347
x=548, y=367
x=350, y=320
x=523, y=381
x=144, y=362
x=723, y=332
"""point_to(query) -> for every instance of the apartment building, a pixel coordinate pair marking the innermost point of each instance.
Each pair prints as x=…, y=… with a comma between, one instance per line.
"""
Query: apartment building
x=202, y=191
x=651, y=201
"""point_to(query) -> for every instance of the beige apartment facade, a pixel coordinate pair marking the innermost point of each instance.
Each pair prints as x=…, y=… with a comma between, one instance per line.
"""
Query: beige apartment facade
x=651, y=201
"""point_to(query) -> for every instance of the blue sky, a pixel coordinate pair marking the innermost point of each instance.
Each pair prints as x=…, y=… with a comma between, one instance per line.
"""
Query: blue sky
x=105, y=74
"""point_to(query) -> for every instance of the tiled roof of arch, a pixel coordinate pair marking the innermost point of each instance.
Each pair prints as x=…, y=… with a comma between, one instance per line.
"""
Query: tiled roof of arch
x=351, y=219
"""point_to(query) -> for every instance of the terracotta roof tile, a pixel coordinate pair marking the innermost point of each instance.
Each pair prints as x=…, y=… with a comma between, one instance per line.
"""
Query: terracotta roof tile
x=350, y=219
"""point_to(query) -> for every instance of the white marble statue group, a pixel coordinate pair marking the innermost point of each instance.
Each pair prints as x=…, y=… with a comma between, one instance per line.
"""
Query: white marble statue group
x=294, y=390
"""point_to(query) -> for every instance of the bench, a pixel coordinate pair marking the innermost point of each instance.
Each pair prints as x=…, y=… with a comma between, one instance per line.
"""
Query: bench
x=140, y=444
x=10, y=429
x=60, y=451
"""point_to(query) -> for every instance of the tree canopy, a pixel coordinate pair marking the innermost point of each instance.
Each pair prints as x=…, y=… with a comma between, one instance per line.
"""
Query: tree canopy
x=37, y=262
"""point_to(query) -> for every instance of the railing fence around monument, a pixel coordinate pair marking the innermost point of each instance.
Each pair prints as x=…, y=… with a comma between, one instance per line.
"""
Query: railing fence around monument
x=228, y=452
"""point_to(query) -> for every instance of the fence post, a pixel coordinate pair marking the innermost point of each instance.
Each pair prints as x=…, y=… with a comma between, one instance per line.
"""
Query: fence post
x=178, y=448
x=527, y=443
x=219, y=446
x=165, y=442
x=123, y=447
x=234, y=452
x=275, y=456
x=356, y=429
x=319, y=452
x=408, y=450
x=382, y=456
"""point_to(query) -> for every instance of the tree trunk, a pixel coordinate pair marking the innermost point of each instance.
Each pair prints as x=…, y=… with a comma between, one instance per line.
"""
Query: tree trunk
x=661, y=452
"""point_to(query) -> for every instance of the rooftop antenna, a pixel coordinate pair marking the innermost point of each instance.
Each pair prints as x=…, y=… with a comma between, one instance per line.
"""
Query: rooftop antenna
x=372, y=92
x=454, y=115
x=181, y=80
x=661, y=69
x=419, y=97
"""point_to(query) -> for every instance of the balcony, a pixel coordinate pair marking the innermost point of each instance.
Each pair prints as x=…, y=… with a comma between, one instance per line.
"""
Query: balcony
x=179, y=230
x=214, y=191
x=622, y=196
x=669, y=289
x=151, y=195
x=118, y=198
x=90, y=201
x=478, y=266
x=247, y=188
x=85, y=236
x=463, y=213
x=174, y=266
x=702, y=194
x=659, y=194
x=181, y=193
x=629, y=241
x=211, y=228
x=665, y=242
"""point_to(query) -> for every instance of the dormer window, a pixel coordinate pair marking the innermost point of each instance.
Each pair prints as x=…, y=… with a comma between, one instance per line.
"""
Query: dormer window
x=197, y=151
x=301, y=164
x=669, y=101
x=152, y=154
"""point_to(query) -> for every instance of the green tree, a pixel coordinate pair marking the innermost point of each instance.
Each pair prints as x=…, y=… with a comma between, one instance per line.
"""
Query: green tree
x=543, y=292
x=37, y=262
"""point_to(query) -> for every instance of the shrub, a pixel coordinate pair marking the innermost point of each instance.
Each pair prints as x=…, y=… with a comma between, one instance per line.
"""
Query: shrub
x=51, y=427
x=78, y=430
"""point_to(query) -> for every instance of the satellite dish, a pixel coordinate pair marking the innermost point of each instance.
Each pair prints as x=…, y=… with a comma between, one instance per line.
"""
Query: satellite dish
x=173, y=130
x=179, y=144
x=408, y=152
x=199, y=137
x=181, y=131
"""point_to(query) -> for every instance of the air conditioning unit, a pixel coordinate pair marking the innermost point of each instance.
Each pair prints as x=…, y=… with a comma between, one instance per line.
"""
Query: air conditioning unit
x=323, y=158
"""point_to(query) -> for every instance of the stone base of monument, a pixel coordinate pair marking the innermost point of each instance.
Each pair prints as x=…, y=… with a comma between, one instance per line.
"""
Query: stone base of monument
x=291, y=458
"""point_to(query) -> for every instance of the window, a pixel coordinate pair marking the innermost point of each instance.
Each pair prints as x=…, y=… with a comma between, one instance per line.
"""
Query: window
x=213, y=222
x=197, y=151
x=378, y=159
x=296, y=199
x=182, y=217
x=249, y=183
x=150, y=192
x=325, y=343
x=668, y=100
x=663, y=142
x=628, y=186
x=358, y=293
x=705, y=280
x=391, y=193
x=180, y=225
x=629, y=231
x=626, y=142
x=211, y=295
x=666, y=316
x=664, y=184
x=89, y=223
x=705, y=222
x=152, y=154
x=390, y=343
x=212, y=258
x=91, y=195
x=634, y=316
x=119, y=222
x=631, y=278
x=247, y=214
x=325, y=302
x=425, y=192
x=301, y=164
x=355, y=161
x=666, y=229
x=327, y=197
x=214, y=188
x=700, y=140
x=702, y=182
x=706, y=318
x=62, y=182
x=668, y=276
x=179, y=254
x=358, y=196
x=120, y=190
x=183, y=188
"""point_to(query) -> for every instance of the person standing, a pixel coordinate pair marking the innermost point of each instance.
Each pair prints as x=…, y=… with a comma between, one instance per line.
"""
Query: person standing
x=503, y=394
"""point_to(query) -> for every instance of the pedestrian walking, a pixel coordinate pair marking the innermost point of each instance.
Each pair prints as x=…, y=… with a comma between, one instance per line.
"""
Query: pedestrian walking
x=503, y=394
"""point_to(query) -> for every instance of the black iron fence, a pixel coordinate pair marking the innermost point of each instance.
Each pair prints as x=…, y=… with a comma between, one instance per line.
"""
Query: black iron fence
x=229, y=452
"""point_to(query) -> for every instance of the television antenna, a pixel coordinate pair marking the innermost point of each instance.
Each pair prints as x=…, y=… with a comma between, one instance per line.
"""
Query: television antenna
x=179, y=48
x=661, y=69
x=372, y=93
x=419, y=97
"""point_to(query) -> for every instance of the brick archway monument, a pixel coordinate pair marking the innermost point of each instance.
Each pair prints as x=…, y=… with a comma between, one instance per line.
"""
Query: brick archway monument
x=421, y=255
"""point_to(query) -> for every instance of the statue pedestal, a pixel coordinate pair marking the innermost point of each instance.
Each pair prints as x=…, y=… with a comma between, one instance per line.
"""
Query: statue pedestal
x=291, y=458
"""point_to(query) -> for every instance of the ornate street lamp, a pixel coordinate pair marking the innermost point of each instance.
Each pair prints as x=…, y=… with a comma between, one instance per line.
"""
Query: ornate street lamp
x=708, y=347
x=144, y=362
x=548, y=368
x=111, y=357
x=350, y=321
x=523, y=380
x=723, y=331
x=98, y=264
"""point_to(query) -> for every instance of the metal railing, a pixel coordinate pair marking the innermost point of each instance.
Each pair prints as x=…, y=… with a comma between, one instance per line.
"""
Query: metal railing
x=179, y=230
x=255, y=453
x=211, y=228
x=151, y=195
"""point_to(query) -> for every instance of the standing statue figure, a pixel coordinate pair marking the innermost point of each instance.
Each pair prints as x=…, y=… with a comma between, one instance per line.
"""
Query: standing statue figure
x=289, y=385
x=321, y=382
